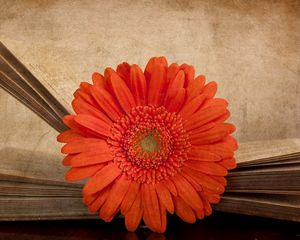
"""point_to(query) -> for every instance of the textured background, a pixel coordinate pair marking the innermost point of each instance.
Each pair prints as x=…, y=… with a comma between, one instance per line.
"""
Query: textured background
x=251, y=48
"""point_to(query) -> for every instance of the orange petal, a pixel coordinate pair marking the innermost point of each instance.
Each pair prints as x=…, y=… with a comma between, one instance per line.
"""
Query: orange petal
x=115, y=197
x=199, y=213
x=85, y=97
x=121, y=90
x=211, y=196
x=189, y=72
x=195, y=87
x=123, y=71
x=163, y=215
x=214, y=102
x=228, y=163
x=204, y=116
x=69, y=120
x=165, y=197
x=68, y=136
x=177, y=82
x=79, y=173
x=67, y=160
x=173, y=103
x=106, y=101
x=91, y=158
x=150, y=203
x=157, y=86
x=172, y=71
x=95, y=124
x=98, y=80
x=207, y=167
x=202, y=155
x=85, y=87
x=138, y=85
x=103, y=178
x=205, y=180
x=221, y=180
x=213, y=135
x=170, y=185
x=218, y=148
x=89, y=199
x=191, y=107
x=192, y=181
x=80, y=106
x=151, y=65
x=85, y=145
x=183, y=210
x=100, y=199
x=186, y=191
x=134, y=214
x=210, y=89
x=230, y=143
x=130, y=197
x=206, y=204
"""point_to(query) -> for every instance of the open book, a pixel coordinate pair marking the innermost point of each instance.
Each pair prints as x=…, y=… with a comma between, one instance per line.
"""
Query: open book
x=32, y=186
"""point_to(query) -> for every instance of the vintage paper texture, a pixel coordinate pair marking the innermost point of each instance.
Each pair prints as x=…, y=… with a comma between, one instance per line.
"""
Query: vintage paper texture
x=251, y=48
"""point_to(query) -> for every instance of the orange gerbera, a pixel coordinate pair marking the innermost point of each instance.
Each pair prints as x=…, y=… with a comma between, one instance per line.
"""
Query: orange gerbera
x=150, y=142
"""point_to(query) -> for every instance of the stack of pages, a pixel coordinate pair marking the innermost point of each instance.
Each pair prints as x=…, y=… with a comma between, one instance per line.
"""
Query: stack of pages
x=265, y=183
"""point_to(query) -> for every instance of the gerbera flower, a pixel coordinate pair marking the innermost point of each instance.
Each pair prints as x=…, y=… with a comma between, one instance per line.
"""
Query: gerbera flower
x=149, y=143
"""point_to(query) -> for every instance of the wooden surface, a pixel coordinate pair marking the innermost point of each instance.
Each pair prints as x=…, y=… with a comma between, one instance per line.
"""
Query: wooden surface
x=219, y=226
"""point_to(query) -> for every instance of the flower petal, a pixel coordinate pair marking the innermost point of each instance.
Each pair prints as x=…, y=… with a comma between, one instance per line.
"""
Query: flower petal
x=151, y=207
x=170, y=185
x=205, y=180
x=189, y=72
x=207, y=167
x=183, y=210
x=173, y=103
x=95, y=124
x=152, y=63
x=123, y=70
x=213, y=135
x=189, y=108
x=115, y=197
x=202, y=155
x=163, y=215
x=134, y=215
x=99, y=201
x=186, y=191
x=98, y=80
x=79, y=173
x=91, y=158
x=204, y=116
x=83, y=107
x=103, y=178
x=84, y=145
x=138, y=85
x=210, y=89
x=206, y=204
x=69, y=120
x=228, y=163
x=165, y=196
x=172, y=71
x=121, y=90
x=85, y=97
x=68, y=136
x=106, y=101
x=195, y=87
x=130, y=197
x=157, y=86
x=192, y=181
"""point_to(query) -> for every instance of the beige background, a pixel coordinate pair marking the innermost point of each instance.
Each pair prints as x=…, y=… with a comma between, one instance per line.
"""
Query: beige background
x=251, y=48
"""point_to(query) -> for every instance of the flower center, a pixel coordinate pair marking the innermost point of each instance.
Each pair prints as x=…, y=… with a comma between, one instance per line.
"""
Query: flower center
x=149, y=144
